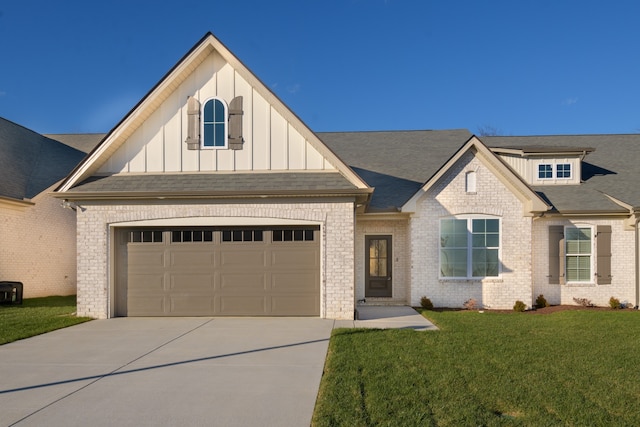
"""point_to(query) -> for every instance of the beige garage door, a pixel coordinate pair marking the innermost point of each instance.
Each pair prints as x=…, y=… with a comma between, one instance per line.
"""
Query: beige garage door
x=219, y=272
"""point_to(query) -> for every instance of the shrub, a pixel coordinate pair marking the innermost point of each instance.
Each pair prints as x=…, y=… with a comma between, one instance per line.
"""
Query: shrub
x=541, y=302
x=585, y=302
x=470, y=304
x=426, y=303
x=614, y=303
x=519, y=306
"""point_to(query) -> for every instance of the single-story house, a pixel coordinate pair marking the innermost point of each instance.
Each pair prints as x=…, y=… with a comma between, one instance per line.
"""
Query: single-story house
x=211, y=197
x=37, y=236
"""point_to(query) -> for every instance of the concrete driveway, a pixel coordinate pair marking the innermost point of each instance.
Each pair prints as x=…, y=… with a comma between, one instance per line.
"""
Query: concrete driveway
x=166, y=372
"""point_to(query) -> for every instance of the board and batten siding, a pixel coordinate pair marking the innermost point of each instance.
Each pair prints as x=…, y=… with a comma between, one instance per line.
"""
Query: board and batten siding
x=270, y=142
x=527, y=168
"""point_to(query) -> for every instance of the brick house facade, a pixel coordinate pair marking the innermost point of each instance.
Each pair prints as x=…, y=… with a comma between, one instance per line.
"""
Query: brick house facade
x=179, y=210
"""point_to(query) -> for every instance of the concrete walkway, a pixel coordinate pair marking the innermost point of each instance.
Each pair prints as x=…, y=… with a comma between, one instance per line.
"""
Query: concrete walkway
x=175, y=371
x=387, y=317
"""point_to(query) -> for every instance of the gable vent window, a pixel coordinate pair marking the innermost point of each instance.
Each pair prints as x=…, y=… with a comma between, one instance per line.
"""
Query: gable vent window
x=214, y=124
x=470, y=182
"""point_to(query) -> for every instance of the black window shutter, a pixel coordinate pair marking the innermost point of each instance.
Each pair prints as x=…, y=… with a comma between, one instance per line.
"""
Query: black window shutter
x=193, y=124
x=235, y=123
x=556, y=254
x=603, y=249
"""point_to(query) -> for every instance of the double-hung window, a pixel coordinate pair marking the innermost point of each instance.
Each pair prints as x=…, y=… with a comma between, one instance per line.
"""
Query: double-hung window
x=214, y=124
x=578, y=253
x=470, y=247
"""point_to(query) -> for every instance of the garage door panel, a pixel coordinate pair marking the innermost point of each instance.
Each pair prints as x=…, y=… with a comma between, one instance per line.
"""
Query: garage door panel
x=138, y=258
x=192, y=282
x=243, y=305
x=295, y=305
x=243, y=282
x=146, y=283
x=294, y=259
x=192, y=259
x=240, y=273
x=242, y=258
x=191, y=305
x=295, y=282
x=148, y=305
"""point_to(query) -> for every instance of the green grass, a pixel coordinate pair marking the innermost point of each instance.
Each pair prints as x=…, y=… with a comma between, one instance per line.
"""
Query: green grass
x=568, y=368
x=36, y=316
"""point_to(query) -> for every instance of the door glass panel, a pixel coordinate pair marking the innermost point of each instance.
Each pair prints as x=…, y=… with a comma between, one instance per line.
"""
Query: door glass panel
x=378, y=257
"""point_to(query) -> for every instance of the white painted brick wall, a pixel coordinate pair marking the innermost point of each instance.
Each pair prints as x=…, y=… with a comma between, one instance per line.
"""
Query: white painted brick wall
x=337, y=250
x=447, y=198
x=397, y=229
x=38, y=247
x=622, y=265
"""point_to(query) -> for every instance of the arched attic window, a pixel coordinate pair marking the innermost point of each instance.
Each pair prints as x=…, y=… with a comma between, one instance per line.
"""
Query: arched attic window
x=214, y=124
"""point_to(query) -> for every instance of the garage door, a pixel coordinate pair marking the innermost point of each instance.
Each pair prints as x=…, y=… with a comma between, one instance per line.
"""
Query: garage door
x=219, y=272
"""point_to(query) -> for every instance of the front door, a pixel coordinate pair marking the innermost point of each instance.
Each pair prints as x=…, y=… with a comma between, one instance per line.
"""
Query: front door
x=378, y=266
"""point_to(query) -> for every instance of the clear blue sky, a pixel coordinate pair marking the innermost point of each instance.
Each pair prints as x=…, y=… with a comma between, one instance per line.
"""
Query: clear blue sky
x=522, y=67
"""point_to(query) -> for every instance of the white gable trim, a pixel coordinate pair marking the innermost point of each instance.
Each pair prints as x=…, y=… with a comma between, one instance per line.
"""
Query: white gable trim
x=154, y=99
x=532, y=203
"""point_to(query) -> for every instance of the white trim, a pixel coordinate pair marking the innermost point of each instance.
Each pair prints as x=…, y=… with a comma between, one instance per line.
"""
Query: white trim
x=539, y=178
x=592, y=256
x=213, y=222
x=564, y=177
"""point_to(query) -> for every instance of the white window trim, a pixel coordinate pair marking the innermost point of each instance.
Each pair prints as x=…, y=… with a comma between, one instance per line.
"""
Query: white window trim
x=469, y=219
x=555, y=171
x=552, y=171
x=226, y=125
x=592, y=256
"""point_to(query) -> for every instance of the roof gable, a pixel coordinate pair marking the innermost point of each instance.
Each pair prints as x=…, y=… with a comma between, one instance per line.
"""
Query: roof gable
x=151, y=138
x=531, y=201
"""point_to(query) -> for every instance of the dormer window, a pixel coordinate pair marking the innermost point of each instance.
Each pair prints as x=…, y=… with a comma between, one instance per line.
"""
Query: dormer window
x=214, y=124
x=563, y=170
x=545, y=171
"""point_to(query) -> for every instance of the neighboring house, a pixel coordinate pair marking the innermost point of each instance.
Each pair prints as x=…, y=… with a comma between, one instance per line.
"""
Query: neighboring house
x=37, y=236
x=211, y=197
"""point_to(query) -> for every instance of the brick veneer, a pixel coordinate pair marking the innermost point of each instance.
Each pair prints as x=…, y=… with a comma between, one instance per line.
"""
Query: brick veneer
x=38, y=247
x=448, y=197
x=337, y=256
x=622, y=265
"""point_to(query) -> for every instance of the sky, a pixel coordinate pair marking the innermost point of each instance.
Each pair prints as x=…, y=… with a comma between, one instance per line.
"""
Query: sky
x=526, y=67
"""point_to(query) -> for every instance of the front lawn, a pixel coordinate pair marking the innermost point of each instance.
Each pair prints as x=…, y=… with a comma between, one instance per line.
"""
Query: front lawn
x=36, y=316
x=566, y=368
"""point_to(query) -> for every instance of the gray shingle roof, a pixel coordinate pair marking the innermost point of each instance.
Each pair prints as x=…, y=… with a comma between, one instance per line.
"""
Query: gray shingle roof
x=30, y=163
x=611, y=169
x=218, y=183
x=396, y=163
x=84, y=142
